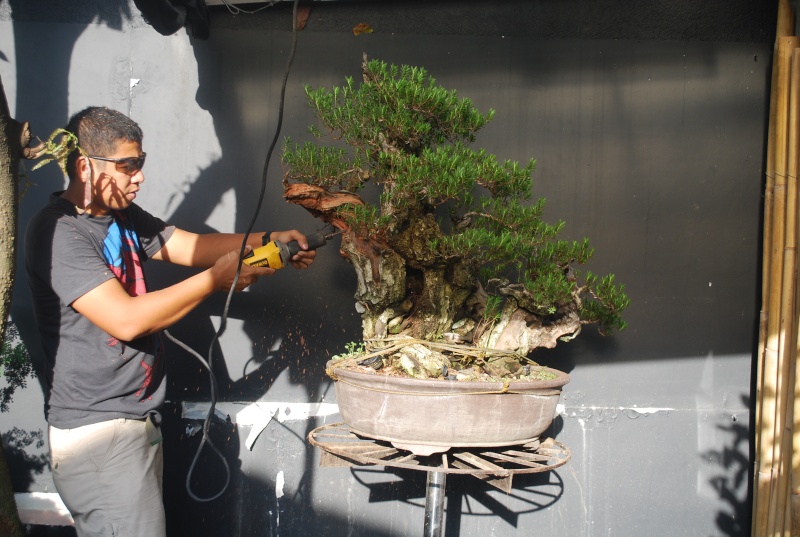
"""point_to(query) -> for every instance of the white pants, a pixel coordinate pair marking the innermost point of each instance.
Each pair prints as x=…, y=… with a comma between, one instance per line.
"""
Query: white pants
x=109, y=475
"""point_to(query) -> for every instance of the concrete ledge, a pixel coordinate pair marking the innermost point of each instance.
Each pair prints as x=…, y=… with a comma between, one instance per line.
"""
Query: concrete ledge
x=42, y=509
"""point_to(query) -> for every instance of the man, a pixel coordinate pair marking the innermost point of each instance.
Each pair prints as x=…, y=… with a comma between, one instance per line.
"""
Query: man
x=100, y=325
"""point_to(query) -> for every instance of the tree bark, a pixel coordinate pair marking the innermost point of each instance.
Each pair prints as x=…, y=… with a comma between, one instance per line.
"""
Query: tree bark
x=14, y=137
x=10, y=523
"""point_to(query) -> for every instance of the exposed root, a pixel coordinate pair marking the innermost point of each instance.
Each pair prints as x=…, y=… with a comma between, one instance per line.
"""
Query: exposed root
x=411, y=357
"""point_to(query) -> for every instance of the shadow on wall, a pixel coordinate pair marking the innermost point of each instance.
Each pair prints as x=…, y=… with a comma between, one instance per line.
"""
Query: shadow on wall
x=734, y=475
x=465, y=495
x=22, y=465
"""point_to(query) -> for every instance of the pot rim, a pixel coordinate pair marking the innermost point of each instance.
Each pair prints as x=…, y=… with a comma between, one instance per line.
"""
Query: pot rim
x=449, y=386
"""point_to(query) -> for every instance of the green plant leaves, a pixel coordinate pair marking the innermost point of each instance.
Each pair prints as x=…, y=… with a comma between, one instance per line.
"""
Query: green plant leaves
x=411, y=138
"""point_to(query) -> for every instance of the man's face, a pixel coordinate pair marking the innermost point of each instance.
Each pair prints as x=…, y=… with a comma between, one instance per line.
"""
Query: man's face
x=114, y=187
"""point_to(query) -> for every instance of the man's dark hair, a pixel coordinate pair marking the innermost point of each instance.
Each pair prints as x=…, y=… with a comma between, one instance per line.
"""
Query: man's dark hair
x=99, y=131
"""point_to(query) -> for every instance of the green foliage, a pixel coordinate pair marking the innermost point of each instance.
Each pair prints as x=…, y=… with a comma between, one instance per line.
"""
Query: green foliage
x=609, y=301
x=325, y=166
x=411, y=137
x=493, y=306
x=396, y=106
x=352, y=350
x=15, y=365
x=365, y=220
x=57, y=148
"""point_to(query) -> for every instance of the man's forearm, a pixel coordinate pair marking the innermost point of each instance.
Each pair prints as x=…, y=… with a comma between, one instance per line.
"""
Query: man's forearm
x=212, y=246
x=202, y=251
x=161, y=309
x=127, y=317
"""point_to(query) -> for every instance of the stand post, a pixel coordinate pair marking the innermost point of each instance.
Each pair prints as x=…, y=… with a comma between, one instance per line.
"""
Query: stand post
x=434, y=503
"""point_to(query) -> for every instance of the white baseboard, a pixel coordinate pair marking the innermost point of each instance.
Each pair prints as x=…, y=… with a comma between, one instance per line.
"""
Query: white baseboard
x=42, y=509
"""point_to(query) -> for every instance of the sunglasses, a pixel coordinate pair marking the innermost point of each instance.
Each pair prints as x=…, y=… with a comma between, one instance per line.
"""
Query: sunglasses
x=128, y=165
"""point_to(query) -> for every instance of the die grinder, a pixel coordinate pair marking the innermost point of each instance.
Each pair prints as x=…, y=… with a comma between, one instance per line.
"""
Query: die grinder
x=276, y=255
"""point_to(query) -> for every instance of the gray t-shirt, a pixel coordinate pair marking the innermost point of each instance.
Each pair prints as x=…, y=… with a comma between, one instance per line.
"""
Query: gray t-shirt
x=92, y=376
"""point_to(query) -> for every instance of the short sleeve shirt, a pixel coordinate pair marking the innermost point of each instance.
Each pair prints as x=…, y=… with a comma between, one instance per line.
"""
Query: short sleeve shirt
x=91, y=375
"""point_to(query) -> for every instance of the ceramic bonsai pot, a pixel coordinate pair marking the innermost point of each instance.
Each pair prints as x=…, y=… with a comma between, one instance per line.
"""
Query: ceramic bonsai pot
x=430, y=416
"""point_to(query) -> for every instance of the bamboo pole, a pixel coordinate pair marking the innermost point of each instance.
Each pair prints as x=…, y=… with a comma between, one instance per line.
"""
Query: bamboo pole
x=781, y=448
x=786, y=19
x=767, y=249
x=767, y=459
x=770, y=422
x=789, y=329
x=772, y=396
x=784, y=27
x=793, y=166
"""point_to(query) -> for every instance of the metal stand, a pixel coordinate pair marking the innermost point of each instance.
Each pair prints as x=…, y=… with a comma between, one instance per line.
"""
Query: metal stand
x=497, y=465
x=434, y=504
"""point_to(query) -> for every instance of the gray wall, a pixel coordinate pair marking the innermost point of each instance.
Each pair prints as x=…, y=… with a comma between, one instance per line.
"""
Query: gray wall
x=648, y=124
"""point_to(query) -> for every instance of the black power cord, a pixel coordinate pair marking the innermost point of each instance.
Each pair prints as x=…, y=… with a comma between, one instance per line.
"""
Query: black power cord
x=206, y=427
x=208, y=363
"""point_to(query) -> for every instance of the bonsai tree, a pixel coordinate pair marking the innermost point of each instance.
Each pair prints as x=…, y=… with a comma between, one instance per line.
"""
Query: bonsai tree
x=456, y=270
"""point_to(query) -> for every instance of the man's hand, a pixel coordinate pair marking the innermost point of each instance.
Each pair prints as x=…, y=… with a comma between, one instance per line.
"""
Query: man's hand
x=224, y=270
x=302, y=259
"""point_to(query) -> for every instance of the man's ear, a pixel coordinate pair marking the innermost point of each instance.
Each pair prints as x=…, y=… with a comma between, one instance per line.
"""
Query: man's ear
x=83, y=167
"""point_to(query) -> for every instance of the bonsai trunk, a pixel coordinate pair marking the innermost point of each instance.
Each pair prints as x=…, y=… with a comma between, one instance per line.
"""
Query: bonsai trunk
x=396, y=299
x=408, y=291
x=400, y=291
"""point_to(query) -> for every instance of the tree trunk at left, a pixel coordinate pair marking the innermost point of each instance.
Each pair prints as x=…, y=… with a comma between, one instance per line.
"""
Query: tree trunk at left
x=9, y=517
x=12, y=142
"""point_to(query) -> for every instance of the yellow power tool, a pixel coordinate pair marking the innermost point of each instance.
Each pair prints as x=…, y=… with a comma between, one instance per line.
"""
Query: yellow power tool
x=276, y=255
